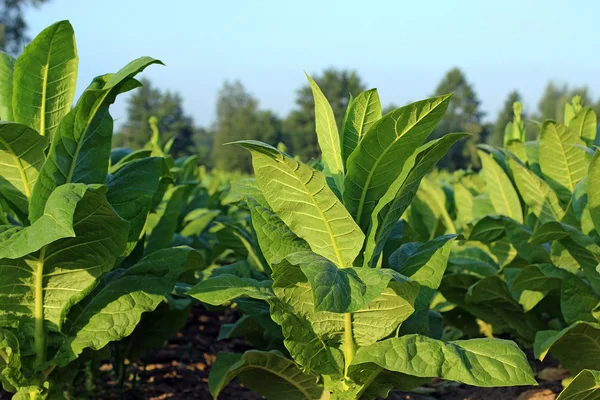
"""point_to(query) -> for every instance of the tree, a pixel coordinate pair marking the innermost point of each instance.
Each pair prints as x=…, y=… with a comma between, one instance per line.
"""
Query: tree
x=239, y=117
x=504, y=117
x=463, y=115
x=12, y=24
x=299, y=126
x=167, y=107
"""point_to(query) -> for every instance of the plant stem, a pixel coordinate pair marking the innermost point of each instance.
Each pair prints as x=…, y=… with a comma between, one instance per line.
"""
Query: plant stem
x=349, y=346
x=39, y=341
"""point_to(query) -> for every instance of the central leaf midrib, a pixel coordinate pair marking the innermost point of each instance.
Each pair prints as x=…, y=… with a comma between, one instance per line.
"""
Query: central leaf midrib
x=45, y=72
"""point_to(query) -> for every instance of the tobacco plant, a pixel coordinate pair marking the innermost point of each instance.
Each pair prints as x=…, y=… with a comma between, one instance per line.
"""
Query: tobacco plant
x=68, y=224
x=352, y=328
x=530, y=267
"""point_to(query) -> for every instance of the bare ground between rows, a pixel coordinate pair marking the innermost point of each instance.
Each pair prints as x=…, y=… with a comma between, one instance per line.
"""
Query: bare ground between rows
x=179, y=371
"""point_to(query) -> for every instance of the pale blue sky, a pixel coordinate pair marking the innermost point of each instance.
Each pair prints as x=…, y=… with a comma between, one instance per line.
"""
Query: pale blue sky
x=402, y=48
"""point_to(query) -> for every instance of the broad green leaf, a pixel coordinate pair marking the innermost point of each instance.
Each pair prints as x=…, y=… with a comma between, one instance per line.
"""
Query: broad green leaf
x=225, y=288
x=305, y=330
x=401, y=193
x=478, y=362
x=126, y=159
x=577, y=298
x=242, y=189
x=533, y=156
x=585, y=386
x=572, y=109
x=556, y=231
x=117, y=154
x=482, y=206
x=328, y=136
x=517, y=148
x=473, y=260
x=301, y=198
x=536, y=193
x=488, y=229
x=162, y=224
x=255, y=259
x=491, y=290
x=379, y=158
x=340, y=290
x=21, y=158
x=80, y=148
x=561, y=161
x=112, y=311
x=431, y=202
x=583, y=336
x=581, y=247
x=363, y=111
x=502, y=193
x=593, y=190
x=198, y=221
x=308, y=342
x=130, y=193
x=44, y=79
x=584, y=124
x=7, y=65
x=275, y=239
x=56, y=223
x=424, y=263
x=41, y=287
x=520, y=236
x=267, y=373
x=505, y=316
x=463, y=200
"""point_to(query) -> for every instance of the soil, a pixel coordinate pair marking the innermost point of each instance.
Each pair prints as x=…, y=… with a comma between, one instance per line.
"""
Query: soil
x=179, y=371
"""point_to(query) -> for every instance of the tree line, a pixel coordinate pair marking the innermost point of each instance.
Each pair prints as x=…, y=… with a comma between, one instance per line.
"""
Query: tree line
x=239, y=116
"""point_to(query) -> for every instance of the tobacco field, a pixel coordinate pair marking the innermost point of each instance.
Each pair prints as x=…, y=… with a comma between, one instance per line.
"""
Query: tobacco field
x=367, y=274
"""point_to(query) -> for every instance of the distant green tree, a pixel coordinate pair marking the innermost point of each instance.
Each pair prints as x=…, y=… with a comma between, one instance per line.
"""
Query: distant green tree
x=463, y=115
x=504, y=117
x=167, y=107
x=299, y=126
x=239, y=117
x=13, y=28
x=203, y=140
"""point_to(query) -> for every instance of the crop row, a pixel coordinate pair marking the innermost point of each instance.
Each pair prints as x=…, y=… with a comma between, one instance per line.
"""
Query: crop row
x=363, y=272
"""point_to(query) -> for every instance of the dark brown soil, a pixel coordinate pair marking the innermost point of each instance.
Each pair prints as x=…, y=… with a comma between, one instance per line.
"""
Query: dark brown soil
x=179, y=371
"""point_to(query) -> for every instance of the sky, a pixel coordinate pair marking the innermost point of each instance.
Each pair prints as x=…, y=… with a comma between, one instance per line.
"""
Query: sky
x=401, y=47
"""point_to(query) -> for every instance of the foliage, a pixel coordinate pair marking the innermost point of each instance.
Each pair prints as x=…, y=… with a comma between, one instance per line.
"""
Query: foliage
x=463, y=115
x=529, y=266
x=70, y=280
x=167, y=108
x=299, y=126
x=13, y=25
x=238, y=117
x=352, y=328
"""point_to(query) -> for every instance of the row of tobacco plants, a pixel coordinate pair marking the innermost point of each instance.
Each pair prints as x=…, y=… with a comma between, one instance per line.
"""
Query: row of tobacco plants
x=354, y=275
